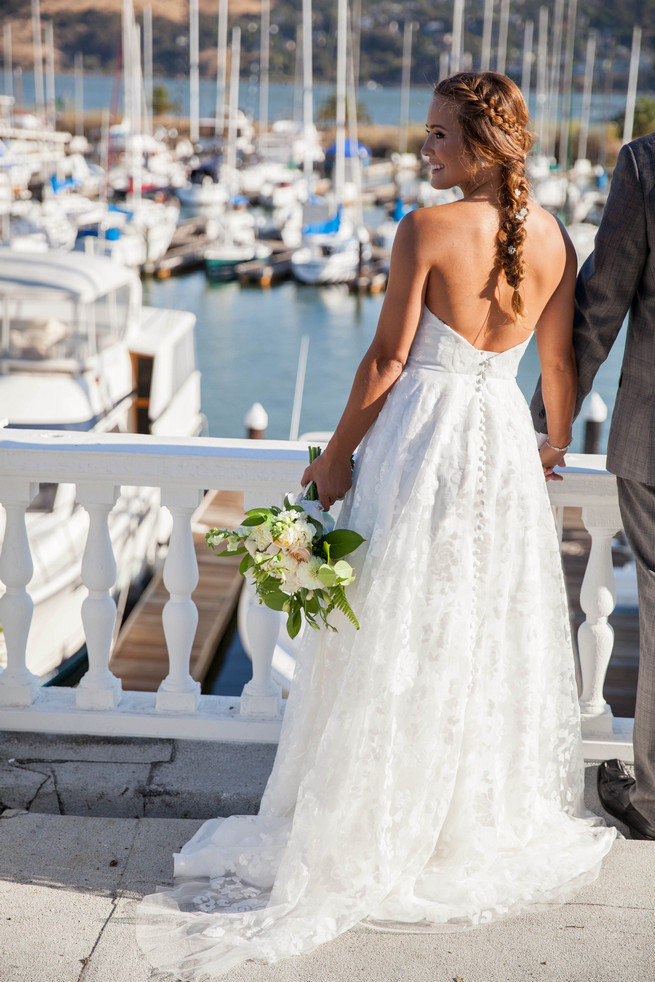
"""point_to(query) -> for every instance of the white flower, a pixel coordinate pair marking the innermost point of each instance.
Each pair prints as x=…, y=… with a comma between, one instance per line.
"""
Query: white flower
x=299, y=533
x=260, y=535
x=520, y=215
x=511, y=250
x=308, y=573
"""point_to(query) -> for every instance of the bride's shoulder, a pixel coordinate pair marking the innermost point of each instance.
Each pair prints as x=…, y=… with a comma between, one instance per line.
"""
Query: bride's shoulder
x=545, y=229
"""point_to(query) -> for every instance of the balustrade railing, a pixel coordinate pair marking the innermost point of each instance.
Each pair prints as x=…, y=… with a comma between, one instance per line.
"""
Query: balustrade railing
x=264, y=471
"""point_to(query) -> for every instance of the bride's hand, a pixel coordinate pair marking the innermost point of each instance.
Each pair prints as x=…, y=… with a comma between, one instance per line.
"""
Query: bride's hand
x=549, y=460
x=333, y=477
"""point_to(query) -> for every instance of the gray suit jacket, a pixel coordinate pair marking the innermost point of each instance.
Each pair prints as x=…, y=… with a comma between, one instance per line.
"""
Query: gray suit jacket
x=617, y=277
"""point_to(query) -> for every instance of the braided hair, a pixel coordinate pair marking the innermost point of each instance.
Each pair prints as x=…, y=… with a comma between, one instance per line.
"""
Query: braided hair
x=493, y=117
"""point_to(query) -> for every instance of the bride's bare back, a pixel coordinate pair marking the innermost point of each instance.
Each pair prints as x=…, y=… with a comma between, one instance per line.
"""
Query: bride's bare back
x=464, y=286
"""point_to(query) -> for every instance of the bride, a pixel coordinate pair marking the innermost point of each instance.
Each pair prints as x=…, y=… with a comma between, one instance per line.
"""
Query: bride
x=429, y=775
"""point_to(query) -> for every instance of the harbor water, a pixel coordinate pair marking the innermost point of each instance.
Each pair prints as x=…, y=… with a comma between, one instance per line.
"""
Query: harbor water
x=248, y=342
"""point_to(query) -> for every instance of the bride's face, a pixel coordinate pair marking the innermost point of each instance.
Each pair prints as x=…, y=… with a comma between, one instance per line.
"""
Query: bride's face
x=450, y=164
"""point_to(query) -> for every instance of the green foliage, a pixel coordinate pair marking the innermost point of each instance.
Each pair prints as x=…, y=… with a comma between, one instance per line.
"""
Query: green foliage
x=160, y=101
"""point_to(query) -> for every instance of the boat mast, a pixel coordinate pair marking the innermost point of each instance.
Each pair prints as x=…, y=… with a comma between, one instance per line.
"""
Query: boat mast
x=147, y=65
x=221, y=68
x=194, y=73
x=631, y=97
x=458, y=37
x=405, y=85
x=38, y=60
x=586, y=96
x=526, y=72
x=542, y=78
x=340, y=147
x=503, y=26
x=235, y=60
x=8, y=66
x=51, y=108
x=264, y=72
x=487, y=25
x=567, y=85
x=308, y=96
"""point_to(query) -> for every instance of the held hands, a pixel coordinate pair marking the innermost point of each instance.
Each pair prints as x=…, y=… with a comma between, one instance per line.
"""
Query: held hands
x=333, y=477
x=549, y=460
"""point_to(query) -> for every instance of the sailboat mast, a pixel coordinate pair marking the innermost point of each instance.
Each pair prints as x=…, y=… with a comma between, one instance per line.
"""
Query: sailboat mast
x=567, y=85
x=586, y=96
x=487, y=25
x=235, y=60
x=308, y=97
x=221, y=68
x=50, y=75
x=632, y=85
x=503, y=27
x=542, y=78
x=264, y=71
x=38, y=59
x=194, y=73
x=340, y=148
x=526, y=71
x=458, y=36
x=405, y=85
x=147, y=65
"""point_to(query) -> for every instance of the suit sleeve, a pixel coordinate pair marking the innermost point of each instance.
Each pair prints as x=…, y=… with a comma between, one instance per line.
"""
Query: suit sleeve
x=608, y=281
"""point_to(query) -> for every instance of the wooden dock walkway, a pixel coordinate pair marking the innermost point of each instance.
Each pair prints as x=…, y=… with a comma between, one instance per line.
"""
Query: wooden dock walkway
x=140, y=657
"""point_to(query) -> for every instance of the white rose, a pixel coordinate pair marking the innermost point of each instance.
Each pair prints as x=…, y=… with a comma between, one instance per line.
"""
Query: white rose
x=308, y=574
x=261, y=535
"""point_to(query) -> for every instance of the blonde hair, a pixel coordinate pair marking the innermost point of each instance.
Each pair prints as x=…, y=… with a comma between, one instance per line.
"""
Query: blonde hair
x=493, y=118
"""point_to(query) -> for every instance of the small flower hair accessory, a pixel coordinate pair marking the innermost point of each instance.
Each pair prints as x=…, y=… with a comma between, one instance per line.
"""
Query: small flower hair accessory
x=511, y=250
x=520, y=215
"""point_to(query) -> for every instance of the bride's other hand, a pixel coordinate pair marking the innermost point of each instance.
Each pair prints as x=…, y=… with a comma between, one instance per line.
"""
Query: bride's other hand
x=549, y=460
x=332, y=476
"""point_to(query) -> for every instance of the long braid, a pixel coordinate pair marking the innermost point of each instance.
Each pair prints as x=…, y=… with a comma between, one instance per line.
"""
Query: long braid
x=493, y=117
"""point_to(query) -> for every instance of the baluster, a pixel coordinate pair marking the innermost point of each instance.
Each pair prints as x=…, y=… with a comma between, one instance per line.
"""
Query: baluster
x=179, y=692
x=18, y=686
x=261, y=697
x=596, y=635
x=99, y=688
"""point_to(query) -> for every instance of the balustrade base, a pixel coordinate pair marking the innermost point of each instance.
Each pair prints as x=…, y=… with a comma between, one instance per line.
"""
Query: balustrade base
x=19, y=693
x=92, y=697
x=178, y=702
x=217, y=718
x=597, y=726
x=617, y=744
x=261, y=701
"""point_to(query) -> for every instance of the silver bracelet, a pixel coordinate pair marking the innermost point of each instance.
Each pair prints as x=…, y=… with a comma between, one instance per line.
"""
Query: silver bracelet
x=557, y=449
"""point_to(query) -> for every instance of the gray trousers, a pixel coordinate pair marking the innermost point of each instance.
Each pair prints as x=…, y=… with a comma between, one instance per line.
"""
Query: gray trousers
x=637, y=504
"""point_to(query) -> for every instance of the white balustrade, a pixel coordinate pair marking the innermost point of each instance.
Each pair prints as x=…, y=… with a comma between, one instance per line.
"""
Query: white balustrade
x=264, y=470
x=18, y=686
x=261, y=698
x=596, y=635
x=179, y=692
x=99, y=688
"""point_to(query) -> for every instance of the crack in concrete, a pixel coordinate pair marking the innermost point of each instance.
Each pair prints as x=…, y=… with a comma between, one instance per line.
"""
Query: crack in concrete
x=117, y=894
x=21, y=765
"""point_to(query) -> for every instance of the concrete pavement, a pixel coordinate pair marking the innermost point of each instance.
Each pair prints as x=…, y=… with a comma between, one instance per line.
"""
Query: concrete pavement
x=74, y=862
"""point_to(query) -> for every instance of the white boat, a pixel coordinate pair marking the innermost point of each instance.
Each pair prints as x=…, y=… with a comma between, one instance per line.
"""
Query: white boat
x=331, y=252
x=78, y=351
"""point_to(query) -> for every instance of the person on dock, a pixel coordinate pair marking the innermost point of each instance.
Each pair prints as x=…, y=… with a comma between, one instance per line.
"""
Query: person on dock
x=429, y=774
x=617, y=278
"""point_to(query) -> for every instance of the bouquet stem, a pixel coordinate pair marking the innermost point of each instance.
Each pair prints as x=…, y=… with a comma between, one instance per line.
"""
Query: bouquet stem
x=311, y=493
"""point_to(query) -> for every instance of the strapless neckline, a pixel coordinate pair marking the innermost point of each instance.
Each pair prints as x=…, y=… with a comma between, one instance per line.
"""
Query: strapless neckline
x=482, y=351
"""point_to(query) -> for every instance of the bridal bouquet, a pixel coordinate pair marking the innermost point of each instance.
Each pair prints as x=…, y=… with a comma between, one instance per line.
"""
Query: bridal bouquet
x=295, y=556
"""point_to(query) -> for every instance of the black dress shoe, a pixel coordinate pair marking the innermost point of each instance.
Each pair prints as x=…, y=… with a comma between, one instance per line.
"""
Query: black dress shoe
x=614, y=783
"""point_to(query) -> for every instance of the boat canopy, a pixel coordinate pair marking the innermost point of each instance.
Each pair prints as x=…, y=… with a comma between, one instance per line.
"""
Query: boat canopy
x=84, y=278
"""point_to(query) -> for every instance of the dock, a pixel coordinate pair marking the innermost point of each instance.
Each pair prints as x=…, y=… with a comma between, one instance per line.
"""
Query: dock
x=140, y=657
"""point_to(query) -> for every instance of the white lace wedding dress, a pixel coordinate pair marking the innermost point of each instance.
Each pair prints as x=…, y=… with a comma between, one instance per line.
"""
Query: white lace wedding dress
x=429, y=774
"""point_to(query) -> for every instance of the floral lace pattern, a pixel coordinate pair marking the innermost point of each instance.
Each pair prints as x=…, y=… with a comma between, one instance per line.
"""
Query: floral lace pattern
x=429, y=774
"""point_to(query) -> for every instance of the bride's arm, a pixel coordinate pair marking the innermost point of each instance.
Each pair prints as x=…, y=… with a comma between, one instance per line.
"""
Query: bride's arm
x=380, y=366
x=557, y=358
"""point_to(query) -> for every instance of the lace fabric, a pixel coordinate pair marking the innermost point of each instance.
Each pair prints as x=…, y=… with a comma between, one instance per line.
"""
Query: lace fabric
x=429, y=774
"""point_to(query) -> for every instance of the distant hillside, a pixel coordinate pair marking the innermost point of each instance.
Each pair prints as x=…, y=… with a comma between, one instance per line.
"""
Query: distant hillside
x=93, y=27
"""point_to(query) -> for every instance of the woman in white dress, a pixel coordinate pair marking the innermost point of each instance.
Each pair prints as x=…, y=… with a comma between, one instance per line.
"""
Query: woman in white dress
x=429, y=774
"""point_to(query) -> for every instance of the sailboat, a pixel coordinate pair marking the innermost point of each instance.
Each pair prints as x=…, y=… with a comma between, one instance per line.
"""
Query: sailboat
x=334, y=247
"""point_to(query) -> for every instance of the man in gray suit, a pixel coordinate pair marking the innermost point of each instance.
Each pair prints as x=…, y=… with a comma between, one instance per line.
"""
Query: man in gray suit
x=618, y=277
